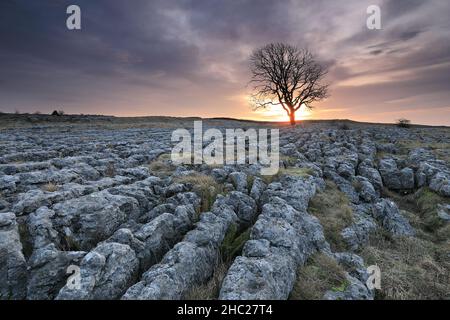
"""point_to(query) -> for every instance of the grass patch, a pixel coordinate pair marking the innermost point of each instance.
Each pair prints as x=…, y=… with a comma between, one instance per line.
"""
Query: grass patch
x=422, y=208
x=288, y=160
x=411, y=268
x=332, y=208
x=68, y=243
x=427, y=202
x=296, y=172
x=233, y=243
x=50, y=187
x=320, y=274
x=230, y=248
x=204, y=186
x=162, y=166
x=25, y=239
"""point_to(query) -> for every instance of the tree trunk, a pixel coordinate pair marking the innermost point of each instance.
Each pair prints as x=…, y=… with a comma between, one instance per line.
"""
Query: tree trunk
x=292, y=117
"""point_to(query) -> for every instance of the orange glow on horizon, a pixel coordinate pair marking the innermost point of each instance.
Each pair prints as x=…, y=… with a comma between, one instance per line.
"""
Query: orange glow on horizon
x=276, y=113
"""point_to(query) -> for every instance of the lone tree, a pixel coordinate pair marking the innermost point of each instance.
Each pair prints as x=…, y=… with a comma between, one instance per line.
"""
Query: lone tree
x=286, y=76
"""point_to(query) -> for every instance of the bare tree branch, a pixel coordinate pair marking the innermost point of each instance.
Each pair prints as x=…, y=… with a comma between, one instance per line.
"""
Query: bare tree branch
x=283, y=75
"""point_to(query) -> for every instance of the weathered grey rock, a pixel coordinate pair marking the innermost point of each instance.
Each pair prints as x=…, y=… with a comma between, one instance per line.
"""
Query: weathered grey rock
x=355, y=290
x=388, y=214
x=365, y=189
x=358, y=233
x=297, y=191
x=257, y=189
x=175, y=188
x=281, y=240
x=367, y=170
x=12, y=262
x=396, y=179
x=40, y=227
x=419, y=155
x=354, y=264
x=48, y=271
x=93, y=218
x=441, y=184
x=346, y=170
x=243, y=205
x=386, y=147
x=407, y=178
x=444, y=212
x=191, y=262
x=8, y=183
x=219, y=174
x=239, y=180
x=105, y=273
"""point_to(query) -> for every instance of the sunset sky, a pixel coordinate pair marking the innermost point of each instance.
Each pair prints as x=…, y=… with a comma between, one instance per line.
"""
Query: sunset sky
x=190, y=58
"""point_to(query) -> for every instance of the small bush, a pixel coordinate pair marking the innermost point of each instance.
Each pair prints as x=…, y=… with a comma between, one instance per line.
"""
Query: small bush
x=344, y=126
x=403, y=123
x=320, y=274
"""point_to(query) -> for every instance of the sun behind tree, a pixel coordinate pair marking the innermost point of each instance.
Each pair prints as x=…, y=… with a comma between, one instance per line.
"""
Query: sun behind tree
x=286, y=76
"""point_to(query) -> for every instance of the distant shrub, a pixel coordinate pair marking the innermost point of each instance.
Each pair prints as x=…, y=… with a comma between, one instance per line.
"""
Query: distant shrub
x=344, y=126
x=403, y=123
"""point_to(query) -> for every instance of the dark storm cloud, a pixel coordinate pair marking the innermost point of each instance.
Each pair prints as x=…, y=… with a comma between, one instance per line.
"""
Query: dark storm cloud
x=194, y=53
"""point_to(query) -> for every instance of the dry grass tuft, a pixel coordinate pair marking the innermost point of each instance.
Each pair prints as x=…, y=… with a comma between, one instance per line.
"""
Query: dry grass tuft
x=411, y=268
x=296, y=172
x=231, y=247
x=421, y=209
x=332, y=208
x=204, y=186
x=320, y=274
x=50, y=187
x=162, y=166
x=211, y=289
x=110, y=170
